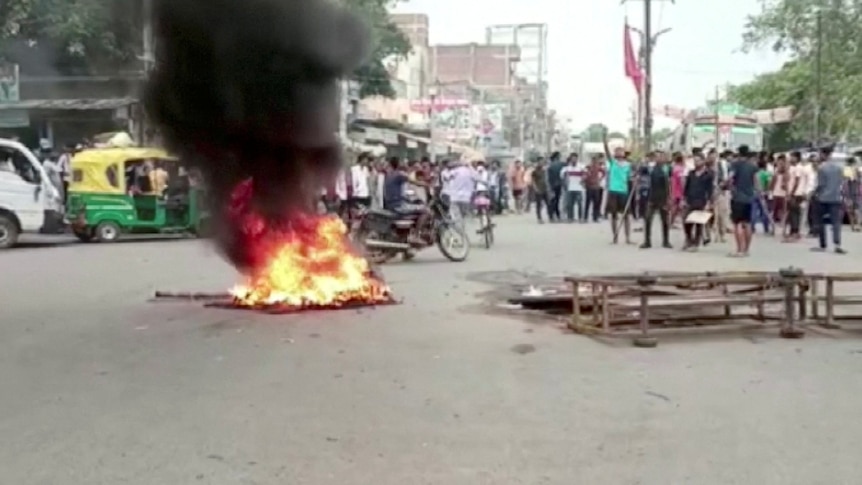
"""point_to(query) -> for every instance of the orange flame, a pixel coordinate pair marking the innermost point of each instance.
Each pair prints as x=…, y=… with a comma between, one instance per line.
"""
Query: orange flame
x=313, y=270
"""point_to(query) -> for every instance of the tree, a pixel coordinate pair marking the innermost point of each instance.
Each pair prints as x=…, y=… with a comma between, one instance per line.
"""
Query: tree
x=802, y=29
x=70, y=36
x=594, y=133
x=387, y=41
x=90, y=36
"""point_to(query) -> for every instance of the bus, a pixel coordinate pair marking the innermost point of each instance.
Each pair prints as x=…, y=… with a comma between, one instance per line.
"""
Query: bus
x=736, y=126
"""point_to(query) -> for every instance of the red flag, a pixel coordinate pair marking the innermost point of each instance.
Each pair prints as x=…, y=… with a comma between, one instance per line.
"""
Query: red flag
x=632, y=66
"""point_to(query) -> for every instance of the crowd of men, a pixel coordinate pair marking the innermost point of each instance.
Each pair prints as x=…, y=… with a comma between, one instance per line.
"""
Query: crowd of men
x=398, y=185
x=711, y=194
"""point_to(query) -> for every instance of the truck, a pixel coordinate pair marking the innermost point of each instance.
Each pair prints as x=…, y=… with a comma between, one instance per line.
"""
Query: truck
x=29, y=201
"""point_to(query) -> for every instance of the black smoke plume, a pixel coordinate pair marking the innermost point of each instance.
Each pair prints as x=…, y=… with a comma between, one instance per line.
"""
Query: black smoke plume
x=248, y=89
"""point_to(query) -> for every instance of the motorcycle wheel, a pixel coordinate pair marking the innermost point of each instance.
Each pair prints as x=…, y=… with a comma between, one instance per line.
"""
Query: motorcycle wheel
x=453, y=242
x=375, y=256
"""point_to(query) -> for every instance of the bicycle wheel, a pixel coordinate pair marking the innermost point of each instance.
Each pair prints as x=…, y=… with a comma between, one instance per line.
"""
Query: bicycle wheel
x=487, y=229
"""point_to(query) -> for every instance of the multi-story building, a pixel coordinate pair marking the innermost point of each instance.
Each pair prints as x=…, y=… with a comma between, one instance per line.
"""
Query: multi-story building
x=414, y=25
x=529, y=101
x=474, y=65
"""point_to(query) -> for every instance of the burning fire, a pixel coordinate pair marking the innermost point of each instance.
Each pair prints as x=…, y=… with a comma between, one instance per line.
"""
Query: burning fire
x=311, y=265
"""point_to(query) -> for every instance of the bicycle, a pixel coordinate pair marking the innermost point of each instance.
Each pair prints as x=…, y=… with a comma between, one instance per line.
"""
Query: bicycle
x=482, y=209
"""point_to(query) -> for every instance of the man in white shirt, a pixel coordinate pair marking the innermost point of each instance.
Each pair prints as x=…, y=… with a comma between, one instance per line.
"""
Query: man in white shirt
x=482, y=177
x=572, y=176
x=808, y=183
x=461, y=185
x=65, y=165
x=360, y=182
x=796, y=188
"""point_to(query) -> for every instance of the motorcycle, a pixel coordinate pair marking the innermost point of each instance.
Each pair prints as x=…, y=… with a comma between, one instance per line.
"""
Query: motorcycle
x=386, y=234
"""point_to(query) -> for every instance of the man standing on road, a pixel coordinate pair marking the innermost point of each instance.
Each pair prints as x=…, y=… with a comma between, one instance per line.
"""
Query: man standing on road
x=796, y=197
x=809, y=172
x=658, y=200
x=829, y=195
x=360, y=183
x=593, y=180
x=698, y=195
x=573, y=178
x=539, y=189
x=555, y=184
x=518, y=184
x=619, y=175
x=743, y=191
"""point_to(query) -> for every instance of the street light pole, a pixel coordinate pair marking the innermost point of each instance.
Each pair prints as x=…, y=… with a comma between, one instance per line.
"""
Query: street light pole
x=647, y=49
x=644, y=105
x=432, y=116
x=818, y=78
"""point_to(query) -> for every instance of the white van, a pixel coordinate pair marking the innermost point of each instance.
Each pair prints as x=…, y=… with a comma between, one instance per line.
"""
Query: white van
x=29, y=202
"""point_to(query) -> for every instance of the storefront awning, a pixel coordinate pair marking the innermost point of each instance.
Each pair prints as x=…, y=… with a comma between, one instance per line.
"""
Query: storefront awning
x=69, y=104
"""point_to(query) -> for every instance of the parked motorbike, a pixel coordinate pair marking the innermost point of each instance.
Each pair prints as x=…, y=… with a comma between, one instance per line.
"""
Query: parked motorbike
x=386, y=234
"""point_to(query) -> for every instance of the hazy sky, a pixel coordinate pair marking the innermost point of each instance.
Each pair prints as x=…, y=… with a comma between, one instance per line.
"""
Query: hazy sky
x=585, y=60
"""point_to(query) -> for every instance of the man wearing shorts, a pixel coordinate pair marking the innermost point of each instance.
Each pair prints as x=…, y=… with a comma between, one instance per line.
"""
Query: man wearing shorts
x=619, y=173
x=743, y=192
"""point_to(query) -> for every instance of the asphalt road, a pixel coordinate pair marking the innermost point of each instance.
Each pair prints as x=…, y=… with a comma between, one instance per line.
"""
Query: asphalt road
x=100, y=386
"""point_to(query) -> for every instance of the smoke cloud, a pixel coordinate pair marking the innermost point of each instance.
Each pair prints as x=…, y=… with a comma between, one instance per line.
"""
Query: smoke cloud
x=247, y=89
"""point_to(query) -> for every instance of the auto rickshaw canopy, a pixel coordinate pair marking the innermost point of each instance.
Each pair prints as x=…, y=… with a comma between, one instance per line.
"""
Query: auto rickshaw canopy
x=102, y=170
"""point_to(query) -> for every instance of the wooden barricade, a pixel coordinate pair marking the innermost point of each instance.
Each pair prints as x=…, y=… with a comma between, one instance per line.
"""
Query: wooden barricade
x=640, y=305
x=823, y=306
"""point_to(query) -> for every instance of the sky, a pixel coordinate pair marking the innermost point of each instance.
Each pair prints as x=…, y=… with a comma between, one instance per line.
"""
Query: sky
x=585, y=51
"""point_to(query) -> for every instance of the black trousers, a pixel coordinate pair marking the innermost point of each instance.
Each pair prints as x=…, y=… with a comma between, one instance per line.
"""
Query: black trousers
x=541, y=201
x=813, y=211
x=693, y=232
x=593, y=204
x=794, y=214
x=554, y=203
x=664, y=216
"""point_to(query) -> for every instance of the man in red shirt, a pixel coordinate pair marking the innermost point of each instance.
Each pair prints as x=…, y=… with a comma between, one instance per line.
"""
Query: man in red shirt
x=593, y=178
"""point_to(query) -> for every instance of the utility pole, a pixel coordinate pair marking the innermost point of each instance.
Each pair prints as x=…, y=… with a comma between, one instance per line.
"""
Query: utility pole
x=646, y=42
x=818, y=78
x=716, y=102
x=432, y=118
x=647, y=104
x=647, y=49
x=149, y=55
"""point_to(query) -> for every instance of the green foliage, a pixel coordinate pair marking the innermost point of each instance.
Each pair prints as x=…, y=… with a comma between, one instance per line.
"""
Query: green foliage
x=594, y=133
x=105, y=34
x=387, y=42
x=791, y=27
x=75, y=33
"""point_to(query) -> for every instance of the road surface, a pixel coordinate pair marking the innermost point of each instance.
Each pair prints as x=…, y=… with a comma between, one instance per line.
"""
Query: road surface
x=99, y=386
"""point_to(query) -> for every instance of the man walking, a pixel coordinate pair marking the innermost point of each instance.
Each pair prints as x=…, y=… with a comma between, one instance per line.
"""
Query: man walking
x=829, y=192
x=555, y=184
x=743, y=191
x=658, y=201
x=573, y=178
x=539, y=189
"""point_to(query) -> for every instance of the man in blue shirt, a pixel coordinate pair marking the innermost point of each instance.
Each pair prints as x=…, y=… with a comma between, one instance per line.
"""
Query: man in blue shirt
x=829, y=193
x=555, y=183
x=619, y=175
x=743, y=192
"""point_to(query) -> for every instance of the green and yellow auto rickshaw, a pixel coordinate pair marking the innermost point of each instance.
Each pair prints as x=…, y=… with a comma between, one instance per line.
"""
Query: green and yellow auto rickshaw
x=116, y=191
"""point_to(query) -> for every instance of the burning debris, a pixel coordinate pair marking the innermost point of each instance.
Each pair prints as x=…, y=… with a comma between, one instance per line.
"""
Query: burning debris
x=247, y=92
x=306, y=266
x=311, y=267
